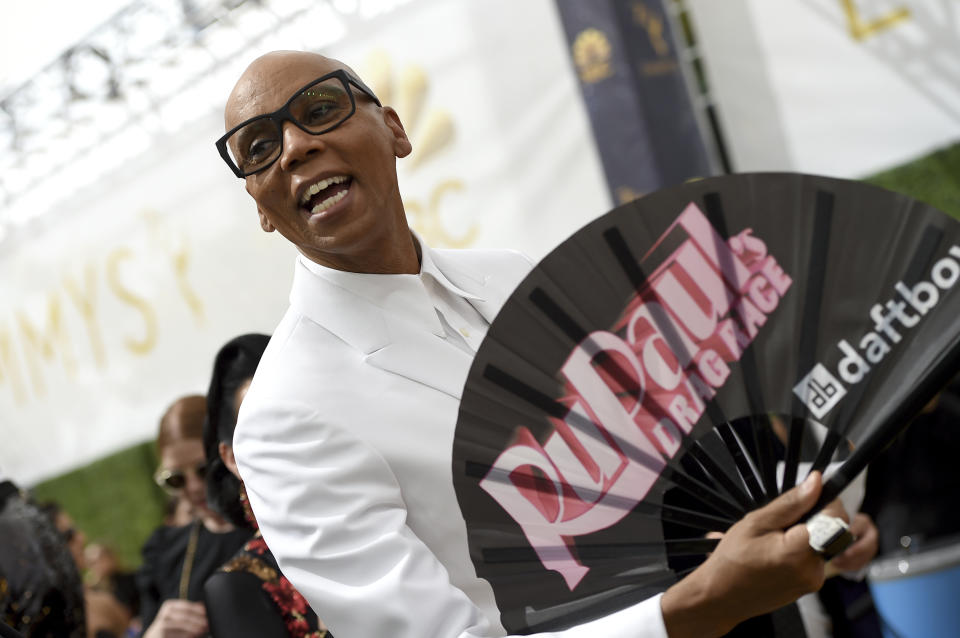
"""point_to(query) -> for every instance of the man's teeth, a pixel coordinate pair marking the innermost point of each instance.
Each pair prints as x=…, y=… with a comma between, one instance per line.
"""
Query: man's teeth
x=328, y=202
x=319, y=186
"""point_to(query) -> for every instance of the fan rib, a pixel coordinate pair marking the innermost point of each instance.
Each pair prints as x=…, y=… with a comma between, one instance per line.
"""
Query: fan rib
x=713, y=469
x=704, y=494
x=743, y=465
x=713, y=209
x=763, y=440
x=809, y=324
x=830, y=444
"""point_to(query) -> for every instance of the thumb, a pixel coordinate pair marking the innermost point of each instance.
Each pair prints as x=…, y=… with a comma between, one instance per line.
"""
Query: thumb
x=787, y=508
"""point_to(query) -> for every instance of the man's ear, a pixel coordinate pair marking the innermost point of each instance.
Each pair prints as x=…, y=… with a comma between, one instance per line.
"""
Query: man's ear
x=226, y=455
x=401, y=144
x=264, y=221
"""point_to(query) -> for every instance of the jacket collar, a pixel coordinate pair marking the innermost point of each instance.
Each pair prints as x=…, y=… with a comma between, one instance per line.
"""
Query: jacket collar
x=401, y=334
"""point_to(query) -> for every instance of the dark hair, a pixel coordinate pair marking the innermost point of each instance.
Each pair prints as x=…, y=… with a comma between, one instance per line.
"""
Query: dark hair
x=51, y=509
x=233, y=366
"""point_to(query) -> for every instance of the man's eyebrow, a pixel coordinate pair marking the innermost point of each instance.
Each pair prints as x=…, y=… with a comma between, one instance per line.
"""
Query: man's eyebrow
x=252, y=130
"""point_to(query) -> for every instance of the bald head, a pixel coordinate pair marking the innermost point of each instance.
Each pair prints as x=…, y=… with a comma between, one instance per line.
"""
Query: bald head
x=262, y=80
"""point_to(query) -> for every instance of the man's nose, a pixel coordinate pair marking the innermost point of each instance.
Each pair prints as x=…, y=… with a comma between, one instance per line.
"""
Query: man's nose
x=298, y=146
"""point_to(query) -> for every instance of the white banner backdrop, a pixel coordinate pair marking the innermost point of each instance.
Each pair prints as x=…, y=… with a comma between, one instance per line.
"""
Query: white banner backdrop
x=835, y=87
x=116, y=304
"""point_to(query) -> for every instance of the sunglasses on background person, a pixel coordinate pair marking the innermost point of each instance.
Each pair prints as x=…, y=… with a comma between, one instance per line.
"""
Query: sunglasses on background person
x=319, y=107
x=173, y=481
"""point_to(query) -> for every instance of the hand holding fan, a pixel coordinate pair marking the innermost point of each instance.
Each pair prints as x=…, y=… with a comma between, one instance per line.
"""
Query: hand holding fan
x=670, y=366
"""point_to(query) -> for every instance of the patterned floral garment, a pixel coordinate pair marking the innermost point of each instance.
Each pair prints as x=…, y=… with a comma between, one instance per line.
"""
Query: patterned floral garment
x=255, y=558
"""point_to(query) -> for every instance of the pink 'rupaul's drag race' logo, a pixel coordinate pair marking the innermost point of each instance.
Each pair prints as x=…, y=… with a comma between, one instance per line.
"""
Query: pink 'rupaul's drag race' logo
x=634, y=391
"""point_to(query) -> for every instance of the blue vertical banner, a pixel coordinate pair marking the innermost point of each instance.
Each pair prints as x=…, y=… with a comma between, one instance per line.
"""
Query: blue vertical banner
x=626, y=58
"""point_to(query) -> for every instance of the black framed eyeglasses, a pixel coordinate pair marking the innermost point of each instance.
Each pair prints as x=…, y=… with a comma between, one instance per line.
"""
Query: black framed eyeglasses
x=319, y=107
x=175, y=480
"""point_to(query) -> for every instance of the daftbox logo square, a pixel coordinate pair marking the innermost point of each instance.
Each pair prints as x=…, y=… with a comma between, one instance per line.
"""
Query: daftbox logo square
x=819, y=391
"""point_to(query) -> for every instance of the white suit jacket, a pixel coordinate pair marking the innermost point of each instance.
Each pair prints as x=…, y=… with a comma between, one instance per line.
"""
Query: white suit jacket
x=344, y=443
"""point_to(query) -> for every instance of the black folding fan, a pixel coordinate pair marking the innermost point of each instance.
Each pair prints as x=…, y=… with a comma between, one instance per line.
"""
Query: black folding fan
x=671, y=365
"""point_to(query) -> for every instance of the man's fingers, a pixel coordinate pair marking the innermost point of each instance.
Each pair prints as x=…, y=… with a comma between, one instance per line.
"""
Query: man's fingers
x=862, y=525
x=863, y=550
x=796, y=537
x=787, y=508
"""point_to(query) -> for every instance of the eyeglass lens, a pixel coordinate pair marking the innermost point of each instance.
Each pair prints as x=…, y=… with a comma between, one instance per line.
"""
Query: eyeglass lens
x=177, y=479
x=317, y=109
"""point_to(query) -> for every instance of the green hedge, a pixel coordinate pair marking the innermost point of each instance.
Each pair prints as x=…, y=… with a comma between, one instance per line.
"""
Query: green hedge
x=934, y=179
x=113, y=500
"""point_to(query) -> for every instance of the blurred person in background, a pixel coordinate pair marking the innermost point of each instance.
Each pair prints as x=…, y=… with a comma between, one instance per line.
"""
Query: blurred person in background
x=41, y=594
x=74, y=537
x=101, y=562
x=107, y=615
x=178, y=512
x=177, y=560
x=106, y=574
x=249, y=595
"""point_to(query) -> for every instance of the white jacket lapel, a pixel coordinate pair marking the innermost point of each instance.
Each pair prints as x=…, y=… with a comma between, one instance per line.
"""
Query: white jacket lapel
x=488, y=295
x=424, y=357
x=416, y=351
